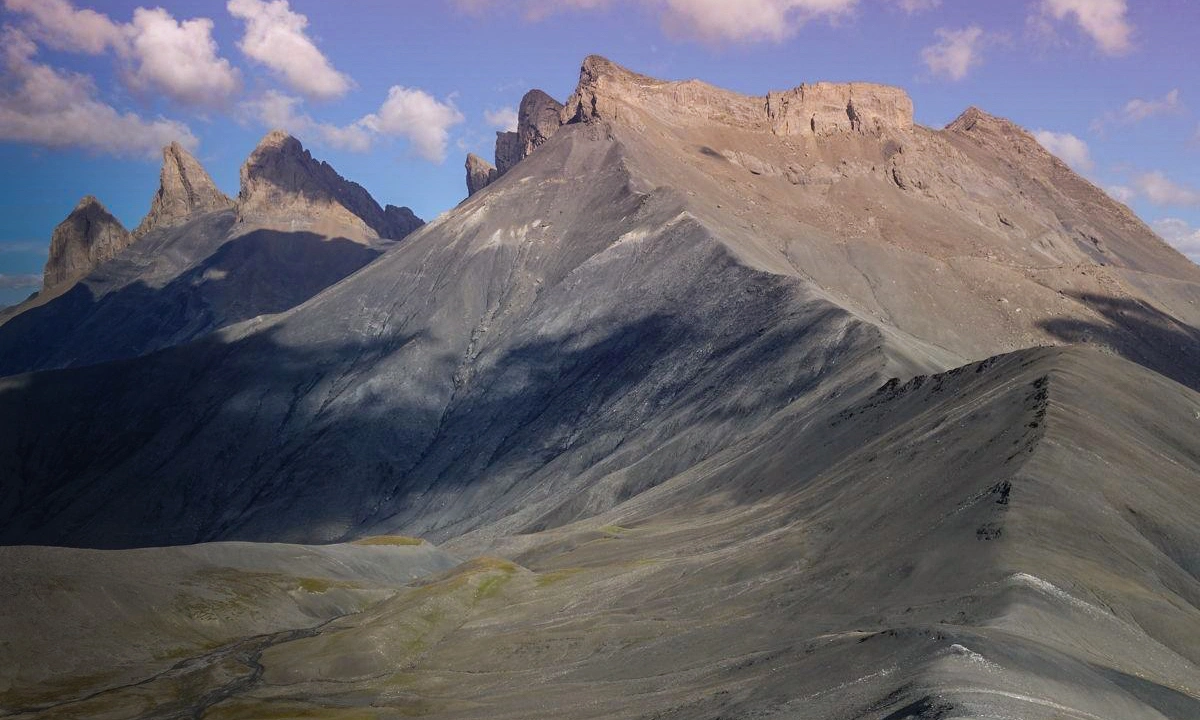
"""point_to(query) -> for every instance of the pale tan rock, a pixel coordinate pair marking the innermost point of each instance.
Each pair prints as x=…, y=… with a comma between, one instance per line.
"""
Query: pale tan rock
x=185, y=190
x=284, y=187
x=89, y=236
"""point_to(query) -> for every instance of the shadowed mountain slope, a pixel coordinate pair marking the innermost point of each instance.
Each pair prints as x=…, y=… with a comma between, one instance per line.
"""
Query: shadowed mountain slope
x=199, y=262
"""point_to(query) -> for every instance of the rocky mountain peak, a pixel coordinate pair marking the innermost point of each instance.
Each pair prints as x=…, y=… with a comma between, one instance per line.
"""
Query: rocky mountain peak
x=283, y=186
x=90, y=235
x=185, y=189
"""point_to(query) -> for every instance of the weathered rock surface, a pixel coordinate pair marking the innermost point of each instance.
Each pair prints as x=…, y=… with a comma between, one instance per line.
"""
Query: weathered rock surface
x=89, y=236
x=480, y=173
x=284, y=187
x=185, y=190
x=539, y=116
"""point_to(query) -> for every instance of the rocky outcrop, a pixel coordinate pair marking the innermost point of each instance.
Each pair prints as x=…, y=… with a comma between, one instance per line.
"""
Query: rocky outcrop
x=610, y=92
x=508, y=151
x=825, y=108
x=89, y=236
x=184, y=191
x=400, y=221
x=539, y=116
x=284, y=187
x=480, y=173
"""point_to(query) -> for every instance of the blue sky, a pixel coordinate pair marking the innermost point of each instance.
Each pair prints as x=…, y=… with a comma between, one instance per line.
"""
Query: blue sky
x=393, y=94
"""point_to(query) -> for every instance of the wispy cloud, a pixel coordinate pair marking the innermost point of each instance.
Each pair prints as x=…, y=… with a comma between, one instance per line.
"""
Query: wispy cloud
x=31, y=247
x=955, y=53
x=1069, y=148
x=1138, y=110
x=503, y=119
x=1160, y=190
x=277, y=110
x=1179, y=233
x=706, y=20
x=20, y=282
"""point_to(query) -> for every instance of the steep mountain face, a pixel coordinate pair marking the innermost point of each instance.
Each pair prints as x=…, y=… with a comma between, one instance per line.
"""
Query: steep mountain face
x=283, y=187
x=194, y=267
x=716, y=392
x=89, y=236
x=184, y=191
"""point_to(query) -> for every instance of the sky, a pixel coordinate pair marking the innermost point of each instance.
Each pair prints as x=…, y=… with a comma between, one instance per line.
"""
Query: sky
x=394, y=93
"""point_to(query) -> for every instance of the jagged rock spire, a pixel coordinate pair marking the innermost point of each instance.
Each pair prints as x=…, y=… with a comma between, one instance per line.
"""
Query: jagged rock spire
x=185, y=189
x=281, y=182
x=88, y=236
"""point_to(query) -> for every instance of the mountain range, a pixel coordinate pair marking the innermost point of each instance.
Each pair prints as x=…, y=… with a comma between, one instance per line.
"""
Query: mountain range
x=713, y=405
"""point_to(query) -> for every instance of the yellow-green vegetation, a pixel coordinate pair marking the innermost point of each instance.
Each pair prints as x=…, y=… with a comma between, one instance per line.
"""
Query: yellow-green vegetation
x=389, y=540
x=314, y=585
x=491, y=586
x=266, y=710
x=614, y=529
x=552, y=576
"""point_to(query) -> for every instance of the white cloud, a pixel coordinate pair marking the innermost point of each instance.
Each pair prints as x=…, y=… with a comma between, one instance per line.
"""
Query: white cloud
x=1179, y=233
x=955, y=53
x=1161, y=190
x=278, y=110
x=45, y=106
x=1068, y=148
x=160, y=53
x=503, y=119
x=417, y=116
x=179, y=58
x=1104, y=20
x=275, y=37
x=61, y=26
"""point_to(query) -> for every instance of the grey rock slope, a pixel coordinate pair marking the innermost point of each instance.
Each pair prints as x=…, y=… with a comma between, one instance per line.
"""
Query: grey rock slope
x=89, y=236
x=648, y=286
x=196, y=268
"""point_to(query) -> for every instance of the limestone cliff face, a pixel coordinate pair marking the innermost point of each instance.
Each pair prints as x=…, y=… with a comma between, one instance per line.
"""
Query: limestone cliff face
x=184, y=191
x=90, y=235
x=610, y=92
x=284, y=187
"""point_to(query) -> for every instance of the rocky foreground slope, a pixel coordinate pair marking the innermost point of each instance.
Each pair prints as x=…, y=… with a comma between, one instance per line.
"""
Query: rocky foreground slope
x=733, y=408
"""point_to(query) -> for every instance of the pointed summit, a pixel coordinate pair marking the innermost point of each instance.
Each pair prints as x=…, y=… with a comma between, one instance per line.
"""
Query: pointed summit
x=88, y=236
x=184, y=190
x=282, y=185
